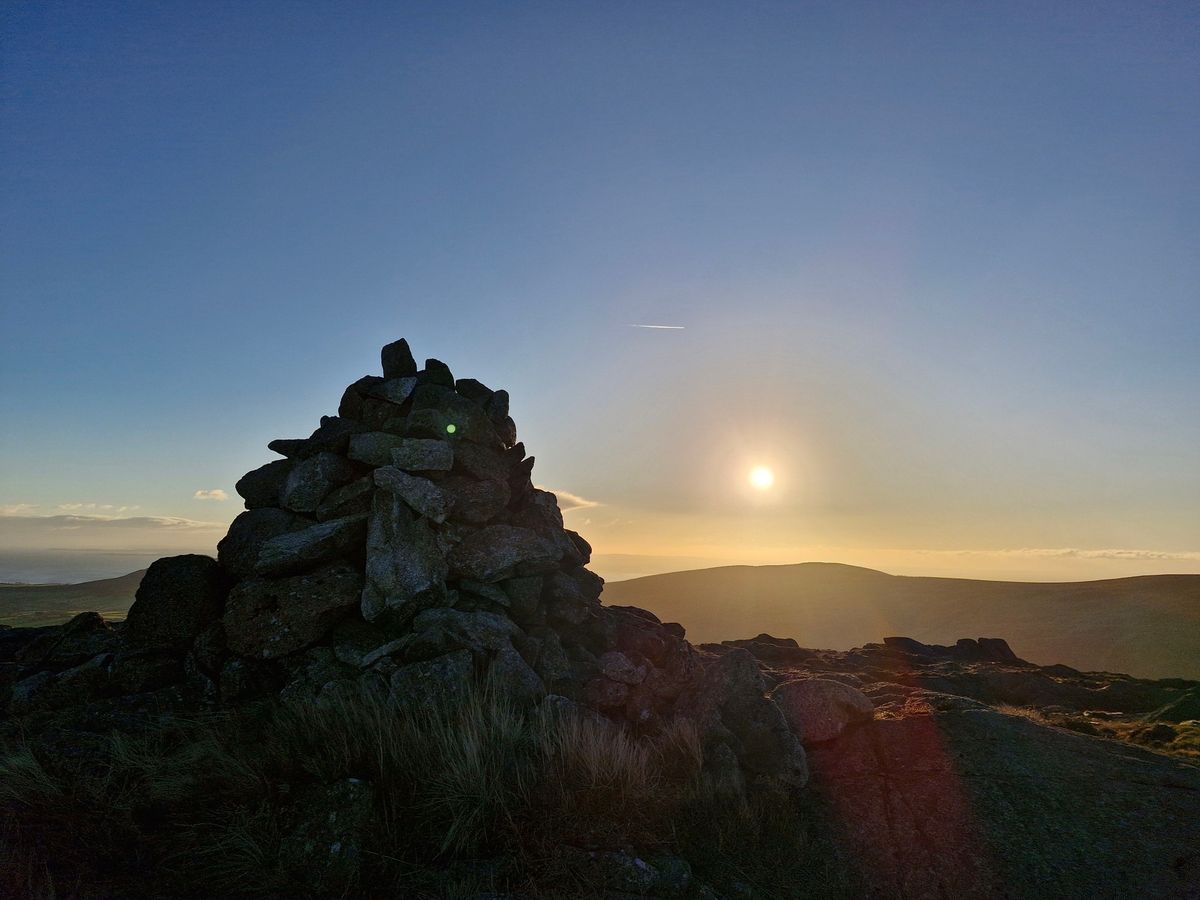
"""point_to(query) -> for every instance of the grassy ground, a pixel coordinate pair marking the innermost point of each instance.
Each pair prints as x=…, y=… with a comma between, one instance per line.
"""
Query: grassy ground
x=476, y=798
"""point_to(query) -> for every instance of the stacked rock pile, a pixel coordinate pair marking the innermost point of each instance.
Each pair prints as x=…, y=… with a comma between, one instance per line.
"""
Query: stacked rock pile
x=403, y=547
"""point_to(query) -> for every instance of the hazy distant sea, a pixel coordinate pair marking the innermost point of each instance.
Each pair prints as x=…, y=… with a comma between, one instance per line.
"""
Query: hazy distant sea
x=71, y=566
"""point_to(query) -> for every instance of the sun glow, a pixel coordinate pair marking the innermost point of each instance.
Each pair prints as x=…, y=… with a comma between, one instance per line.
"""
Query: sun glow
x=761, y=477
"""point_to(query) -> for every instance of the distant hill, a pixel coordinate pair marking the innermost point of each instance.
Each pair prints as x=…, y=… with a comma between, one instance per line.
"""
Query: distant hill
x=1147, y=626
x=49, y=604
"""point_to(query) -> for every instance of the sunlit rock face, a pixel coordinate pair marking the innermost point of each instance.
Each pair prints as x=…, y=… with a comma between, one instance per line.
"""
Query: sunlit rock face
x=402, y=547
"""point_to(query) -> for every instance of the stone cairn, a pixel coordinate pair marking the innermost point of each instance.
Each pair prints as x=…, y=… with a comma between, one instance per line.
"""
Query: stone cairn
x=403, y=547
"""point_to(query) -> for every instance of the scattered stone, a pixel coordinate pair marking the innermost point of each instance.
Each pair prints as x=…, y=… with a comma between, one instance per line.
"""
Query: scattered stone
x=818, y=709
x=62, y=646
x=25, y=695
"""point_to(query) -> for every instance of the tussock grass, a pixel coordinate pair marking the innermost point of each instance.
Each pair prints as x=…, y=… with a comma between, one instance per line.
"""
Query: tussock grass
x=206, y=805
x=1185, y=744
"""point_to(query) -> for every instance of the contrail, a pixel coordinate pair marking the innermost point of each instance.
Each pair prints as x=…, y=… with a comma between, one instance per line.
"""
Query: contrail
x=663, y=327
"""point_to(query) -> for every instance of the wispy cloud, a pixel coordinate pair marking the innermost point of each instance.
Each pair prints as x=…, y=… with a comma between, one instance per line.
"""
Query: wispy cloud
x=213, y=494
x=660, y=327
x=1075, y=553
x=73, y=523
x=568, y=501
x=17, y=509
x=104, y=532
x=105, y=508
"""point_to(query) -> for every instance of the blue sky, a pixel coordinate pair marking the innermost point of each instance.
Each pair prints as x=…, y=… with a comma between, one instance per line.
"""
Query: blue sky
x=936, y=263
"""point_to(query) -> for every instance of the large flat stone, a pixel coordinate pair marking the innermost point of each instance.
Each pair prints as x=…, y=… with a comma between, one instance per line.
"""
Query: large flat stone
x=501, y=551
x=374, y=448
x=394, y=390
x=405, y=570
x=272, y=617
x=324, y=542
x=421, y=494
x=422, y=455
x=237, y=552
x=440, y=630
x=312, y=480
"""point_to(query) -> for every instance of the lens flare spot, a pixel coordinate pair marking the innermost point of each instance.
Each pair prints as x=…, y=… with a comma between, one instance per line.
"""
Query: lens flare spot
x=761, y=477
x=451, y=428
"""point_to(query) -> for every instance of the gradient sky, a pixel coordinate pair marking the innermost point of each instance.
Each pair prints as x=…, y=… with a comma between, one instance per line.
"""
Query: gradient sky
x=936, y=264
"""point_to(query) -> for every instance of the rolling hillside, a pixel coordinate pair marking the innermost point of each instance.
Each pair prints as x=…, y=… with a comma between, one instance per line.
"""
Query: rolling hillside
x=49, y=604
x=1147, y=626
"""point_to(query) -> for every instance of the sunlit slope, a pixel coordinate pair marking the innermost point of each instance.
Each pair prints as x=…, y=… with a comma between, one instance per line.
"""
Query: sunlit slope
x=49, y=604
x=1147, y=626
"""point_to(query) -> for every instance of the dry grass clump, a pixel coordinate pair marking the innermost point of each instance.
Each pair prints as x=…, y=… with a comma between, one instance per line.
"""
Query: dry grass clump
x=205, y=805
x=1187, y=739
x=1180, y=739
x=1031, y=713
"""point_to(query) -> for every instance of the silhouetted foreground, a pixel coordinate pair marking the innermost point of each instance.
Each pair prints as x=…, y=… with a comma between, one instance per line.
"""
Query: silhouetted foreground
x=397, y=678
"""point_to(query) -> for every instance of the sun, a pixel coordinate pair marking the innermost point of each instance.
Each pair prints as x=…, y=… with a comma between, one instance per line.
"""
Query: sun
x=761, y=477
